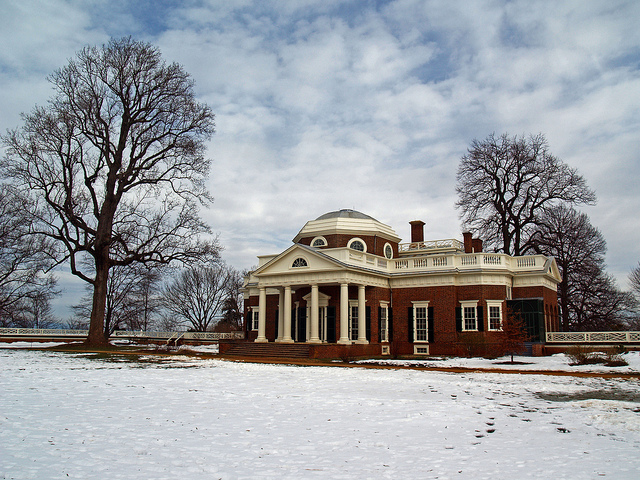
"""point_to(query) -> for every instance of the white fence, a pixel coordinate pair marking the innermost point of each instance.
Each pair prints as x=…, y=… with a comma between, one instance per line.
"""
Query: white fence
x=593, y=337
x=53, y=332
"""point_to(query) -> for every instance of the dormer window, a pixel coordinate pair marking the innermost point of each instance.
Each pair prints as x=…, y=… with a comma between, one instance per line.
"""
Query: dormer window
x=357, y=244
x=299, y=262
x=319, y=242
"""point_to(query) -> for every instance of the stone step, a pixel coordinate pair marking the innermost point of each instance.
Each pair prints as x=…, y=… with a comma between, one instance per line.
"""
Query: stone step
x=272, y=350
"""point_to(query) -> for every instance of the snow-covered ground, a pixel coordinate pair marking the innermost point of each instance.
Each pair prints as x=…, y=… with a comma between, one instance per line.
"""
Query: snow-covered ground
x=559, y=362
x=89, y=416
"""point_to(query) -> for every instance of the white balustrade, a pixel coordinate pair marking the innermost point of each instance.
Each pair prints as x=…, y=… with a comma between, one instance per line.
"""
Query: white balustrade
x=439, y=261
x=469, y=260
x=420, y=263
x=593, y=337
x=53, y=332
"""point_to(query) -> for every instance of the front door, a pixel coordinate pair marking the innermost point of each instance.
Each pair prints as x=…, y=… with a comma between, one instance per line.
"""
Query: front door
x=301, y=330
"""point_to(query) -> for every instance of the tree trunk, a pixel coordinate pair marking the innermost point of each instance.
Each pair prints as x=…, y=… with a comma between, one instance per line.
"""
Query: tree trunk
x=564, y=303
x=96, y=326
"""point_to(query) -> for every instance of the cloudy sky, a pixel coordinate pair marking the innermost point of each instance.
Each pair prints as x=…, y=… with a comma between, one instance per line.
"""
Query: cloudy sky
x=368, y=104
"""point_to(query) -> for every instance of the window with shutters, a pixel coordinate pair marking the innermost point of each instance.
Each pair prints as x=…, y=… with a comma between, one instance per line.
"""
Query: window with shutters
x=420, y=321
x=469, y=315
x=384, y=322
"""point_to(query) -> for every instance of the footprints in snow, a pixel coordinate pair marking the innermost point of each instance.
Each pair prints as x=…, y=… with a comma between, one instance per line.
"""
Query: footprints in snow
x=489, y=430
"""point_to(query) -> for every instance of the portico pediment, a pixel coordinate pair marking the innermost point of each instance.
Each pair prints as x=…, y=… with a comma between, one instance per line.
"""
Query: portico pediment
x=553, y=270
x=298, y=259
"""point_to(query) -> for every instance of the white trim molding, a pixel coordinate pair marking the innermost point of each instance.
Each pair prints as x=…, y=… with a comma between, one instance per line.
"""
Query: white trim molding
x=466, y=305
x=494, y=304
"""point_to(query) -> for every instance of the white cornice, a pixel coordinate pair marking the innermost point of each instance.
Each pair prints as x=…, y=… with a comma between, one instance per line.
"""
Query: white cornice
x=347, y=226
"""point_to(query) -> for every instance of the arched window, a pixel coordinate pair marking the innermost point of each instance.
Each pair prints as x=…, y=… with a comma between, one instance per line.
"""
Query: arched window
x=319, y=242
x=299, y=262
x=357, y=244
x=388, y=251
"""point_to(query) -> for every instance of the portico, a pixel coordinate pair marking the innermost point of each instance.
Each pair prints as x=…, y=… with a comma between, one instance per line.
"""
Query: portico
x=318, y=312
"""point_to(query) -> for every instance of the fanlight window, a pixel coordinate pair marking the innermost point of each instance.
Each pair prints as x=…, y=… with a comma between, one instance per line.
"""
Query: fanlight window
x=319, y=242
x=357, y=245
x=299, y=262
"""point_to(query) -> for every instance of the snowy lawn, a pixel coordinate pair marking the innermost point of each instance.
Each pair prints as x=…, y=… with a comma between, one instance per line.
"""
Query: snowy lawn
x=89, y=416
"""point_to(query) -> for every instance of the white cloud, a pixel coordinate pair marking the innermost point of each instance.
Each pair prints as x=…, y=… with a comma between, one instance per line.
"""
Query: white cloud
x=370, y=105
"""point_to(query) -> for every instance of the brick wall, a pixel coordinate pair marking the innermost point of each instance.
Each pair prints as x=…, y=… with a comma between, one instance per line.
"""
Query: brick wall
x=444, y=301
x=375, y=245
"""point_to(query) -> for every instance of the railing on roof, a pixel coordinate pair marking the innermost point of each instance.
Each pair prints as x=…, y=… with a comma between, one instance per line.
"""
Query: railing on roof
x=486, y=261
x=450, y=243
x=438, y=261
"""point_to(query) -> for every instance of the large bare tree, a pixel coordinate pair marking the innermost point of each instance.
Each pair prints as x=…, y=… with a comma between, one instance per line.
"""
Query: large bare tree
x=197, y=296
x=116, y=160
x=505, y=183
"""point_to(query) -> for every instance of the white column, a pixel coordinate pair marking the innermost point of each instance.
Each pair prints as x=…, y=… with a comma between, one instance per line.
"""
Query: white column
x=286, y=337
x=262, y=316
x=362, y=316
x=344, y=314
x=314, y=336
x=280, y=315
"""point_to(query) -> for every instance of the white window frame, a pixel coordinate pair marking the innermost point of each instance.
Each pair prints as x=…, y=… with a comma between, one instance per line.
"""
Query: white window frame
x=416, y=330
x=353, y=321
x=255, y=315
x=384, y=329
x=469, y=304
x=294, y=266
x=324, y=242
x=421, y=349
x=494, y=304
x=384, y=251
x=356, y=239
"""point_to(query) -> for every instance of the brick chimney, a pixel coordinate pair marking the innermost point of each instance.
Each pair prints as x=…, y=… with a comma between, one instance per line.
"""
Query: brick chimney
x=477, y=245
x=417, y=231
x=468, y=242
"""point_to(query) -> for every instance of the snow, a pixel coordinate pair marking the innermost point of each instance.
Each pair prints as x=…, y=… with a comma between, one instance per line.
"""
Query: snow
x=558, y=362
x=93, y=416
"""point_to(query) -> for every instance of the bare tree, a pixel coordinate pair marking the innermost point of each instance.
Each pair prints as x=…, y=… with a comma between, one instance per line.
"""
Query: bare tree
x=504, y=184
x=117, y=162
x=232, y=306
x=588, y=297
x=513, y=335
x=196, y=297
x=634, y=280
x=24, y=258
x=146, y=298
x=35, y=311
x=579, y=249
x=598, y=304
